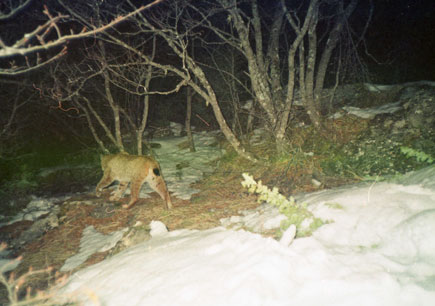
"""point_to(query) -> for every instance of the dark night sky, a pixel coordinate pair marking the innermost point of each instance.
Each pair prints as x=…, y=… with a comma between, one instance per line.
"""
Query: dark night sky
x=402, y=35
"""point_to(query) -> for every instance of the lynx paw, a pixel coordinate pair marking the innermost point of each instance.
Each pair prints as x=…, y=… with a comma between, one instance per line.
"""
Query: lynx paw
x=114, y=197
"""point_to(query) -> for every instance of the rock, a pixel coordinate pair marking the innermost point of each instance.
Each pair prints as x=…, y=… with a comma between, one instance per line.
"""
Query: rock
x=38, y=228
x=288, y=236
x=135, y=235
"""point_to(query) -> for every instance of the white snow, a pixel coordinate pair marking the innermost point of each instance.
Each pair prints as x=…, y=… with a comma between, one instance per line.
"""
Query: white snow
x=92, y=242
x=370, y=113
x=379, y=88
x=380, y=250
x=263, y=218
x=36, y=208
x=179, y=179
x=390, y=108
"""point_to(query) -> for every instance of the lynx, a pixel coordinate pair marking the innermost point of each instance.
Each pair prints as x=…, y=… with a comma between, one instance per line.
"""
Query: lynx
x=127, y=168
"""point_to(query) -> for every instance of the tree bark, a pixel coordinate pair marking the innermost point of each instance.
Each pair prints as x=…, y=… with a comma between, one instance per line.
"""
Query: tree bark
x=189, y=95
x=330, y=46
x=144, y=117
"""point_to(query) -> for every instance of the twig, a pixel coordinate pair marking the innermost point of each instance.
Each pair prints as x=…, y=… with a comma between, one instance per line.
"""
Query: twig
x=202, y=119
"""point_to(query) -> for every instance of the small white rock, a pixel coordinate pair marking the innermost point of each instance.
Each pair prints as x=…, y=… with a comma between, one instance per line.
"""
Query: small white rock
x=158, y=229
x=288, y=236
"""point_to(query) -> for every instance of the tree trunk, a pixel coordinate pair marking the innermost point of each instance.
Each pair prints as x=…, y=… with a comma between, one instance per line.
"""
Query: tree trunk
x=330, y=46
x=92, y=128
x=144, y=119
x=189, y=96
x=139, y=132
x=115, y=110
x=232, y=139
x=109, y=97
x=210, y=97
x=313, y=108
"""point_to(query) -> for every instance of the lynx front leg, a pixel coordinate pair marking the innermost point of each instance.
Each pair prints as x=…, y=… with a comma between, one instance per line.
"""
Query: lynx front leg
x=105, y=181
x=119, y=191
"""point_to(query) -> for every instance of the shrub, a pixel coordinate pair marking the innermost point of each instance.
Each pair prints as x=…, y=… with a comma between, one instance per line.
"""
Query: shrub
x=296, y=213
x=419, y=155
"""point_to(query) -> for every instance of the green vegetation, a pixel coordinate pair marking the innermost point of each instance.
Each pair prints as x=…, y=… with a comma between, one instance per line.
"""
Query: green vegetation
x=349, y=149
x=369, y=156
x=419, y=155
x=296, y=213
x=49, y=169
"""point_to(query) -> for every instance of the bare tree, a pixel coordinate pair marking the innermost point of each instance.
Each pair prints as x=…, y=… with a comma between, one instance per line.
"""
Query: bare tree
x=284, y=49
x=29, y=52
x=232, y=86
x=10, y=9
x=285, y=45
x=276, y=69
x=109, y=89
x=165, y=22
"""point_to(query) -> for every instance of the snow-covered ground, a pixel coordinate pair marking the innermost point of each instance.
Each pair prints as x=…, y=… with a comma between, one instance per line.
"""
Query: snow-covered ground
x=379, y=250
x=181, y=168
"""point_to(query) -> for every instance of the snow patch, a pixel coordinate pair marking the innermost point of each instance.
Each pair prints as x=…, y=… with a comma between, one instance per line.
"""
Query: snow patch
x=264, y=218
x=199, y=270
x=379, y=250
x=92, y=242
x=36, y=208
x=179, y=178
x=370, y=113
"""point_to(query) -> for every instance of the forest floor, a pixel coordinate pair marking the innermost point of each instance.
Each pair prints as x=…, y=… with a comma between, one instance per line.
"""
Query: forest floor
x=220, y=196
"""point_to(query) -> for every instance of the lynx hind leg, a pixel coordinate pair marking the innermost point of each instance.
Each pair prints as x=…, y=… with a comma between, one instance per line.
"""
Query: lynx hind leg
x=105, y=181
x=156, y=182
x=134, y=193
x=117, y=194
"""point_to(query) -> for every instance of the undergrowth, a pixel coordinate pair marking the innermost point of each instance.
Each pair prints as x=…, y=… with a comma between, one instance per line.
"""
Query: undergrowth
x=20, y=293
x=361, y=149
x=297, y=214
x=368, y=156
x=47, y=170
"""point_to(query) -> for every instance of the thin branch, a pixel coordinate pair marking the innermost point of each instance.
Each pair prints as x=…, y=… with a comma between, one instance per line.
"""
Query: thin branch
x=14, y=11
x=23, y=47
